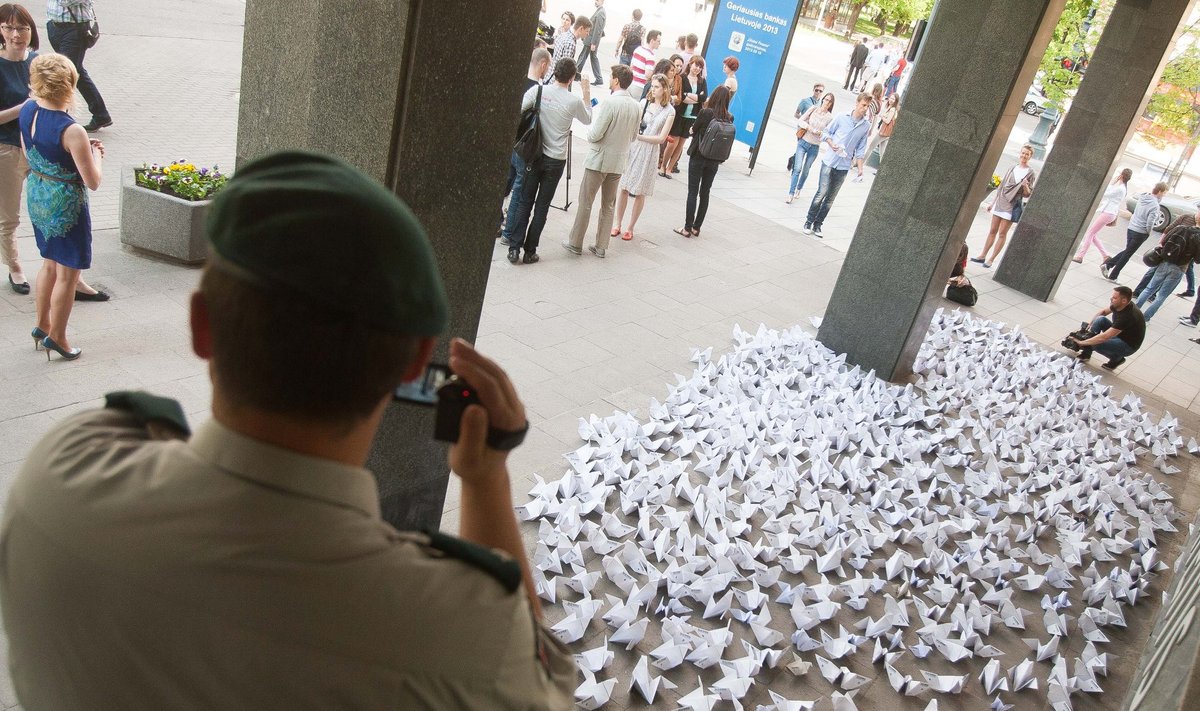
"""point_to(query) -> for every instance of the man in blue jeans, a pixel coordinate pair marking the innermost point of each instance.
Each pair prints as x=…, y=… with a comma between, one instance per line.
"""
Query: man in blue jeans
x=67, y=24
x=842, y=147
x=1117, y=337
x=559, y=108
x=1139, y=230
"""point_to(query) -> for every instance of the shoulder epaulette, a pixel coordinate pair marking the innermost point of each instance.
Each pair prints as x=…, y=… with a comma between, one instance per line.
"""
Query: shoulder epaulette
x=505, y=570
x=148, y=408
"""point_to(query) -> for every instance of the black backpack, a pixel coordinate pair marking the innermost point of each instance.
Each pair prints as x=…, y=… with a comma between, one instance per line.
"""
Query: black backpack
x=1178, y=247
x=633, y=40
x=529, y=132
x=717, y=141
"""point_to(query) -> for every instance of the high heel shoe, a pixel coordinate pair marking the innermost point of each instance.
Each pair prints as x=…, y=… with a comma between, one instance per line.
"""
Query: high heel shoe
x=38, y=335
x=50, y=345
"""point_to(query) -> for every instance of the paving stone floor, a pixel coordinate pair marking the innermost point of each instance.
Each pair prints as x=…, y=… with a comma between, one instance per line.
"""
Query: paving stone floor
x=579, y=335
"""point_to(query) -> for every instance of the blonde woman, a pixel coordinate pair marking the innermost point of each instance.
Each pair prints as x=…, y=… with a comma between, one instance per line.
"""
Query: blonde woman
x=1007, y=203
x=638, y=178
x=63, y=164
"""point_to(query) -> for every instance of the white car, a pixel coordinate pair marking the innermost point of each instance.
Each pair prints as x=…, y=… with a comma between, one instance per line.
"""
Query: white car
x=1034, y=103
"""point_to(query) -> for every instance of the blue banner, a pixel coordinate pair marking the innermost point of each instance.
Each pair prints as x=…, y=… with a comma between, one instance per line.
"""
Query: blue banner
x=756, y=33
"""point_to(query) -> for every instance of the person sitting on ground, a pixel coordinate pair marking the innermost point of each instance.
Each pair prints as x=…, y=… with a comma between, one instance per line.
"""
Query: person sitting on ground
x=1118, y=337
x=958, y=277
x=248, y=566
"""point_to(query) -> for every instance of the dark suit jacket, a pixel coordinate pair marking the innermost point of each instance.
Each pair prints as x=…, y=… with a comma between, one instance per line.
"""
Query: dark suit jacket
x=859, y=56
x=597, y=27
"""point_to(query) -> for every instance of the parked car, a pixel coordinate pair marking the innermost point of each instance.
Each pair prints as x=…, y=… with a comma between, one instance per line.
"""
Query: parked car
x=1170, y=207
x=1035, y=102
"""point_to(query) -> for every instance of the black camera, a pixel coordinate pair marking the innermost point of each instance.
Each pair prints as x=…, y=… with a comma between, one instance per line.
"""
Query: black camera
x=447, y=393
x=453, y=397
x=1084, y=333
x=450, y=396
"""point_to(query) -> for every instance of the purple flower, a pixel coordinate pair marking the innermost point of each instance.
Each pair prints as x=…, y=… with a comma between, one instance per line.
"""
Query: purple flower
x=204, y=171
x=161, y=178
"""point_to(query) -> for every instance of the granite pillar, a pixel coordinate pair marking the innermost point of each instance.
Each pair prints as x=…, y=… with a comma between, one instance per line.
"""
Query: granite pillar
x=1135, y=45
x=959, y=107
x=391, y=88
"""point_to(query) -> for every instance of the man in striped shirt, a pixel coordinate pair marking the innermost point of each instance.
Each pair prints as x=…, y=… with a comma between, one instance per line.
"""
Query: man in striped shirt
x=642, y=62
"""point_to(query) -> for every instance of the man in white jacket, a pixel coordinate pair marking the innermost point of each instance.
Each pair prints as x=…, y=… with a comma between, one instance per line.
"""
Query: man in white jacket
x=1140, y=224
x=613, y=130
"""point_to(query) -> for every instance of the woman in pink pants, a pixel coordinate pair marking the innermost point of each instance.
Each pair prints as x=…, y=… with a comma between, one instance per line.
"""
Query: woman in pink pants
x=1106, y=214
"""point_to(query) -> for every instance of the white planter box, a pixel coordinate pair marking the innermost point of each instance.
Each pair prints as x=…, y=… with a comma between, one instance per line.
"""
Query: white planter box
x=161, y=223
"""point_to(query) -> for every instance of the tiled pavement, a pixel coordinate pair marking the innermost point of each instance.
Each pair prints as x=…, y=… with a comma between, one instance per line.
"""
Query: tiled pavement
x=578, y=334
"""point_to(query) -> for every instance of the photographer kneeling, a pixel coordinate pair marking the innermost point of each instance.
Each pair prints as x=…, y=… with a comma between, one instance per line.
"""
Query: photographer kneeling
x=1118, y=337
x=248, y=566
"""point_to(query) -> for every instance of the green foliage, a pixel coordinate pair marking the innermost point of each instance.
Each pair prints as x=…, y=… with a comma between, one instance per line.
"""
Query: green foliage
x=1071, y=39
x=181, y=179
x=1175, y=104
x=895, y=12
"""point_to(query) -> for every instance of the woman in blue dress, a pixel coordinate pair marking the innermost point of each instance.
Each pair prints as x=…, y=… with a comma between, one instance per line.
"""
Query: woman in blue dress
x=63, y=164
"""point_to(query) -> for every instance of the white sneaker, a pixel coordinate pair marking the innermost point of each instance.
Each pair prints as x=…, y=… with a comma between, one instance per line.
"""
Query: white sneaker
x=1187, y=321
x=807, y=228
x=816, y=230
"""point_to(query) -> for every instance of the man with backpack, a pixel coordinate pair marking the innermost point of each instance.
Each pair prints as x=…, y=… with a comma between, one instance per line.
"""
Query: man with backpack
x=630, y=39
x=557, y=107
x=1179, y=246
x=842, y=147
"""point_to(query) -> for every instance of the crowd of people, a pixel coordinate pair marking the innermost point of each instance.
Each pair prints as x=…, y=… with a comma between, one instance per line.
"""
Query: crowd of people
x=815, y=114
x=44, y=152
x=659, y=107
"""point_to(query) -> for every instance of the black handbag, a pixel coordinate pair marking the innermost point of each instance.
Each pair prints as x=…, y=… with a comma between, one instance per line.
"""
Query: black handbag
x=792, y=162
x=91, y=34
x=529, y=135
x=1153, y=257
x=965, y=294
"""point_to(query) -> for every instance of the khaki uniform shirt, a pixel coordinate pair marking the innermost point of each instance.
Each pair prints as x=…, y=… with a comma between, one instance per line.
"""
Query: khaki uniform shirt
x=224, y=573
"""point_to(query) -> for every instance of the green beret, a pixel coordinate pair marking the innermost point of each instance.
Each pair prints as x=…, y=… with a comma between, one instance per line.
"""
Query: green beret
x=317, y=229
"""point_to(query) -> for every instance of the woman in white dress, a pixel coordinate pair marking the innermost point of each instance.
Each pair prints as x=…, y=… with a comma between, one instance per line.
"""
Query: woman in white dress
x=641, y=170
x=1006, y=205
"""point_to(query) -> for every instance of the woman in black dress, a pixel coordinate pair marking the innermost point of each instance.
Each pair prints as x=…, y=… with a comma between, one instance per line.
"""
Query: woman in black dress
x=694, y=92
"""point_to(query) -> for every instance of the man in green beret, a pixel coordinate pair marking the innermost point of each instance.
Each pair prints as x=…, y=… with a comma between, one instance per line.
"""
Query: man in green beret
x=247, y=566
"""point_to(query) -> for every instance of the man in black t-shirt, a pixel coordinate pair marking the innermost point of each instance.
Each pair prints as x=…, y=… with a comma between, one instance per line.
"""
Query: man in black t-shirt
x=1118, y=337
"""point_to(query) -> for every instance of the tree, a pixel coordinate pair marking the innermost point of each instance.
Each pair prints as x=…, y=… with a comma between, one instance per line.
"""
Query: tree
x=1071, y=42
x=902, y=13
x=1174, y=107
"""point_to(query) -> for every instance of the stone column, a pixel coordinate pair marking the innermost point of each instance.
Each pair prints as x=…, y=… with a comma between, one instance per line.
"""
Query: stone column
x=952, y=129
x=390, y=87
x=1121, y=75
